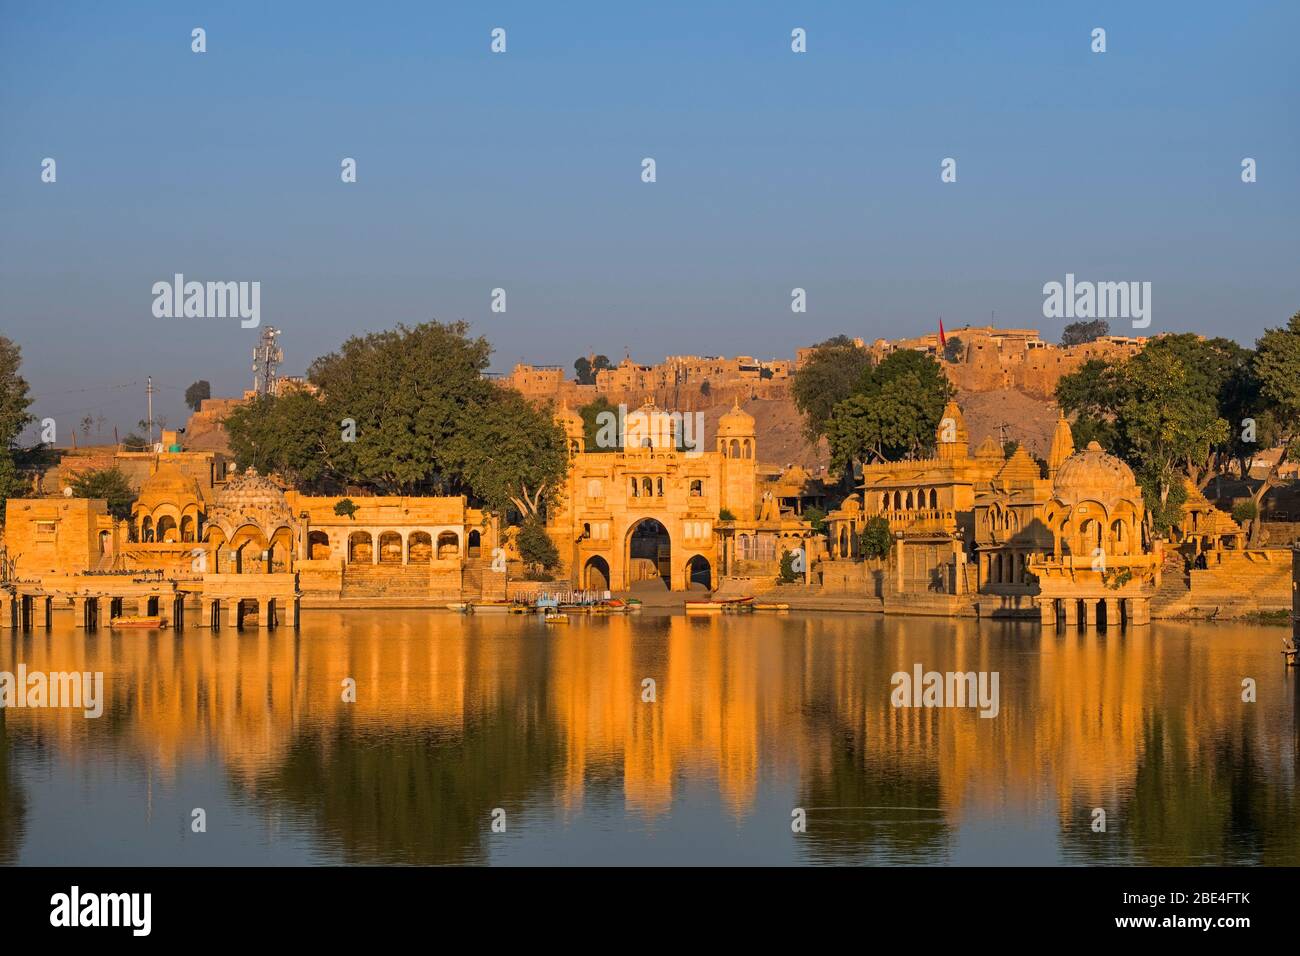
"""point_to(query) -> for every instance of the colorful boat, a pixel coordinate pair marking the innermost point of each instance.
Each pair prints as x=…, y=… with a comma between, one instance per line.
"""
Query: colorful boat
x=138, y=620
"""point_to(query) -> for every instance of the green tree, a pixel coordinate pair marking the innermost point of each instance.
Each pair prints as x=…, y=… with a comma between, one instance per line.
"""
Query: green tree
x=591, y=423
x=290, y=435
x=536, y=548
x=1277, y=371
x=876, y=538
x=409, y=391
x=1078, y=333
x=196, y=393
x=346, y=508
x=815, y=517
x=508, y=453
x=109, y=484
x=953, y=349
x=1160, y=412
x=585, y=368
x=832, y=373
x=14, y=417
x=893, y=414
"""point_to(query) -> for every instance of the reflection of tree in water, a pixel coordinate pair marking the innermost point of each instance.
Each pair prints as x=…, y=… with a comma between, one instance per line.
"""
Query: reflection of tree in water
x=423, y=797
x=877, y=797
x=1202, y=800
x=13, y=806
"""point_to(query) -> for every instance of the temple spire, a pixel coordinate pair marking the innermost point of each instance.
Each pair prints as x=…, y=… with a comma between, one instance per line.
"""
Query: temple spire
x=1062, y=444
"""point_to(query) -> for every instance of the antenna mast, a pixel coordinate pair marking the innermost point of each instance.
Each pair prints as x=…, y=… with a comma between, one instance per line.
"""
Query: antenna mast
x=267, y=357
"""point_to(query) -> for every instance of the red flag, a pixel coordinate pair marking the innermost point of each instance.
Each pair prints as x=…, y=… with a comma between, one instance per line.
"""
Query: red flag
x=943, y=339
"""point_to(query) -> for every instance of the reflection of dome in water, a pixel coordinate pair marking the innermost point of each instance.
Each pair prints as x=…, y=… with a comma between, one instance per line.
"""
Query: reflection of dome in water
x=1094, y=474
x=169, y=485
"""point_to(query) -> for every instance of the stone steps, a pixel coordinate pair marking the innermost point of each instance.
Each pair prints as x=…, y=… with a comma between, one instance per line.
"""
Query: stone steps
x=385, y=580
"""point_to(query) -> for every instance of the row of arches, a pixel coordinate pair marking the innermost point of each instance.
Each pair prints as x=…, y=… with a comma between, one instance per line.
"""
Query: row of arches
x=698, y=573
x=420, y=547
x=167, y=530
x=900, y=500
x=647, y=487
x=737, y=448
x=1082, y=530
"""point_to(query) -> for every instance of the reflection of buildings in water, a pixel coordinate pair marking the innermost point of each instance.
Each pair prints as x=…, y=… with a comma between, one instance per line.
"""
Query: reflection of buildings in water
x=13, y=803
x=456, y=716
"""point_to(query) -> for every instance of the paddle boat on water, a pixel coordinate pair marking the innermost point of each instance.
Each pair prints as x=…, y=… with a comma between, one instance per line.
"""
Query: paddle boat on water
x=721, y=605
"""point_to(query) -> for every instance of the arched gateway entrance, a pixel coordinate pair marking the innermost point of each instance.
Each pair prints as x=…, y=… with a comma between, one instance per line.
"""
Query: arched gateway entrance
x=699, y=574
x=649, y=553
x=595, y=574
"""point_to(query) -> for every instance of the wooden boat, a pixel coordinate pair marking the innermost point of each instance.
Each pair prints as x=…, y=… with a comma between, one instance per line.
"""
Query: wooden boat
x=1289, y=651
x=717, y=606
x=490, y=607
x=556, y=617
x=138, y=620
x=463, y=607
x=771, y=607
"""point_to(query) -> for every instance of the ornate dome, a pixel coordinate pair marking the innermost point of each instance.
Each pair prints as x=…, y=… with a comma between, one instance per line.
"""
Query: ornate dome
x=736, y=422
x=567, y=417
x=1095, y=475
x=989, y=449
x=169, y=485
x=250, y=497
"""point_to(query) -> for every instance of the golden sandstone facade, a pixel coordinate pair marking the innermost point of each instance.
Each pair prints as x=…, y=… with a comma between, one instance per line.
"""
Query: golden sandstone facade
x=977, y=532
x=654, y=509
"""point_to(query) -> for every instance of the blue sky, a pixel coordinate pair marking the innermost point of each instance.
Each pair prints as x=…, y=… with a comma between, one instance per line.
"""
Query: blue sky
x=522, y=171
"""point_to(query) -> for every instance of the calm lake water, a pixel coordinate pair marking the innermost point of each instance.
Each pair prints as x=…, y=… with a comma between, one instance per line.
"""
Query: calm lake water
x=754, y=716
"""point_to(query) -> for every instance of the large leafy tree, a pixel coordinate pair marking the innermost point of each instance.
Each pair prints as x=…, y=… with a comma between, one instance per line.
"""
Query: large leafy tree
x=586, y=368
x=107, y=483
x=197, y=392
x=509, y=453
x=591, y=423
x=892, y=414
x=1165, y=411
x=291, y=435
x=1077, y=333
x=407, y=390
x=832, y=373
x=14, y=417
x=1276, y=376
x=408, y=411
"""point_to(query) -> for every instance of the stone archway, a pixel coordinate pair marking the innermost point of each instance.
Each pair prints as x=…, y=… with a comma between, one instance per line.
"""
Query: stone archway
x=419, y=547
x=699, y=574
x=595, y=574
x=390, y=548
x=649, y=553
x=360, y=548
x=318, y=545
